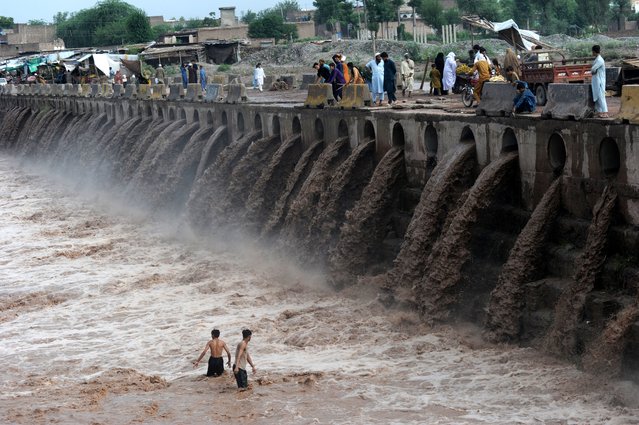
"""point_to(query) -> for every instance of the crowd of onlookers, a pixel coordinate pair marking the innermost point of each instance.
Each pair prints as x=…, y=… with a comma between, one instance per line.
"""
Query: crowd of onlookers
x=380, y=74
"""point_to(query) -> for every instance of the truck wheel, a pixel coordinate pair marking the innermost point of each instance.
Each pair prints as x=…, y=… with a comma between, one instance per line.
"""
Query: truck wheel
x=540, y=94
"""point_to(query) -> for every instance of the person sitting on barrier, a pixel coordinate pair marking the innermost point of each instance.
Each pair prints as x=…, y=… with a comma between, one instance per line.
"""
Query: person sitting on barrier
x=525, y=101
x=323, y=71
x=511, y=75
x=496, y=67
x=356, y=76
x=435, y=81
x=482, y=68
x=337, y=80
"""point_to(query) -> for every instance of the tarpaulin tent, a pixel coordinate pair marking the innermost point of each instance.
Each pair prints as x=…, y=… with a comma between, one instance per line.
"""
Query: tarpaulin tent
x=508, y=31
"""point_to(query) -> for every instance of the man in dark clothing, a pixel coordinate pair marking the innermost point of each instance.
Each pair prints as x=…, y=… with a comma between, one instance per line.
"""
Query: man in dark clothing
x=323, y=72
x=337, y=80
x=390, y=70
x=185, y=77
x=525, y=100
x=192, y=74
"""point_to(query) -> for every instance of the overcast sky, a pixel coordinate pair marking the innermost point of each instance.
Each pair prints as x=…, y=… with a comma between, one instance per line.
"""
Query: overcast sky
x=45, y=9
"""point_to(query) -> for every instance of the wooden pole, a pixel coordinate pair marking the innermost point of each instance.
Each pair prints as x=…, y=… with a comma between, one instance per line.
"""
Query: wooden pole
x=421, y=87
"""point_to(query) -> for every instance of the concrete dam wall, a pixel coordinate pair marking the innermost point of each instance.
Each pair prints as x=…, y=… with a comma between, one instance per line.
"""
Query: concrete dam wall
x=526, y=227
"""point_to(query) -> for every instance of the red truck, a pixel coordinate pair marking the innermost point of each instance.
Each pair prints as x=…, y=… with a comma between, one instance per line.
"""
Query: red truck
x=538, y=69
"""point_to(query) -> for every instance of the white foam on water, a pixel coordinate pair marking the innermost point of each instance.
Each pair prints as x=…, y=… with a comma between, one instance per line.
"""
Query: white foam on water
x=83, y=292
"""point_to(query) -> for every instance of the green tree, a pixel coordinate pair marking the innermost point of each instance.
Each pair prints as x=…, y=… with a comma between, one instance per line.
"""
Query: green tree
x=269, y=24
x=431, y=12
x=379, y=11
x=332, y=11
x=249, y=16
x=489, y=9
x=6, y=22
x=287, y=6
x=60, y=17
x=138, y=28
x=619, y=9
x=160, y=29
x=104, y=24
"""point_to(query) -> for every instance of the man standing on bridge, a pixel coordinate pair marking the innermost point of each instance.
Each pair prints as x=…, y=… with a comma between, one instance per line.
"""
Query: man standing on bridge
x=599, y=83
x=390, y=71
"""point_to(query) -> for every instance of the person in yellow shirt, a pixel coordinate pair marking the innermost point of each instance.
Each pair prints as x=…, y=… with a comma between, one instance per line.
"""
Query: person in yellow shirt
x=435, y=81
x=482, y=67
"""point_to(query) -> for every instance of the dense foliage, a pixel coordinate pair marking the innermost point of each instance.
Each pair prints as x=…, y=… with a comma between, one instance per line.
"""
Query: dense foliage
x=271, y=23
x=108, y=22
x=6, y=22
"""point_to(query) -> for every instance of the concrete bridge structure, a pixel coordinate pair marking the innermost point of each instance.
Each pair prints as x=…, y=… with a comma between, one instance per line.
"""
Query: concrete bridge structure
x=590, y=157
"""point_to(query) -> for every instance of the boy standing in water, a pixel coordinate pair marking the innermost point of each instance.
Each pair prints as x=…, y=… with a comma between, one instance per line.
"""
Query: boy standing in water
x=216, y=362
x=241, y=358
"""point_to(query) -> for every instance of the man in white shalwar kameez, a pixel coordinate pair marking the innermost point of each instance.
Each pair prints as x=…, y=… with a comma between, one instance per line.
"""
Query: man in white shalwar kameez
x=450, y=72
x=599, y=83
x=377, y=79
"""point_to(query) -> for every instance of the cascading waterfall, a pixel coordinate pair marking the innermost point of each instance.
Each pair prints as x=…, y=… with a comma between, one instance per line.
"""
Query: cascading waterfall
x=294, y=184
x=209, y=188
x=158, y=159
x=365, y=226
x=604, y=356
x=173, y=193
x=272, y=182
x=451, y=251
x=561, y=338
x=350, y=179
x=243, y=178
x=451, y=176
x=503, y=320
x=303, y=207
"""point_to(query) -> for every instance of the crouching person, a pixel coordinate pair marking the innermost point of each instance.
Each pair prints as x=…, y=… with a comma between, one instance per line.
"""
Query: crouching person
x=524, y=101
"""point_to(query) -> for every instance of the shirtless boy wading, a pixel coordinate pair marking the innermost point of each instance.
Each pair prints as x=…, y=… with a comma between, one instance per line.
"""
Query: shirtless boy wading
x=216, y=362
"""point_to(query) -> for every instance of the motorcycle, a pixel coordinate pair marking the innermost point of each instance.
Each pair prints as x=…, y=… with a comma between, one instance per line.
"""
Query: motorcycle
x=467, y=91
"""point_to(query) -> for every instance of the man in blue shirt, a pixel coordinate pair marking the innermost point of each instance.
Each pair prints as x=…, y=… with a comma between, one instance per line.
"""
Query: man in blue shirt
x=525, y=100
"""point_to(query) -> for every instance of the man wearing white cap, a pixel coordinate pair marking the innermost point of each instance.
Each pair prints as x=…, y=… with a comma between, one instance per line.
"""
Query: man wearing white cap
x=377, y=80
x=408, y=71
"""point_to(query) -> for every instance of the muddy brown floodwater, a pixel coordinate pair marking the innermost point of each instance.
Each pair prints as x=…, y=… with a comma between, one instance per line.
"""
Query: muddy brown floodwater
x=102, y=311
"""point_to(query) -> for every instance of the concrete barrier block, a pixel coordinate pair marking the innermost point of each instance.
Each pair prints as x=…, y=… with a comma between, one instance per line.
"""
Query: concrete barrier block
x=144, y=91
x=355, y=96
x=85, y=90
x=75, y=90
x=67, y=90
x=20, y=89
x=131, y=91
x=118, y=90
x=176, y=92
x=630, y=103
x=193, y=93
x=95, y=90
x=236, y=93
x=214, y=93
x=106, y=90
x=12, y=89
x=57, y=90
x=289, y=80
x=158, y=91
x=496, y=100
x=319, y=96
x=268, y=82
x=234, y=79
x=218, y=79
x=569, y=102
x=45, y=90
x=307, y=79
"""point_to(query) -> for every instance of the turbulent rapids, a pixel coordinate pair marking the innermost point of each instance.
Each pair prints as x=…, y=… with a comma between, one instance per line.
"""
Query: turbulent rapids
x=353, y=221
